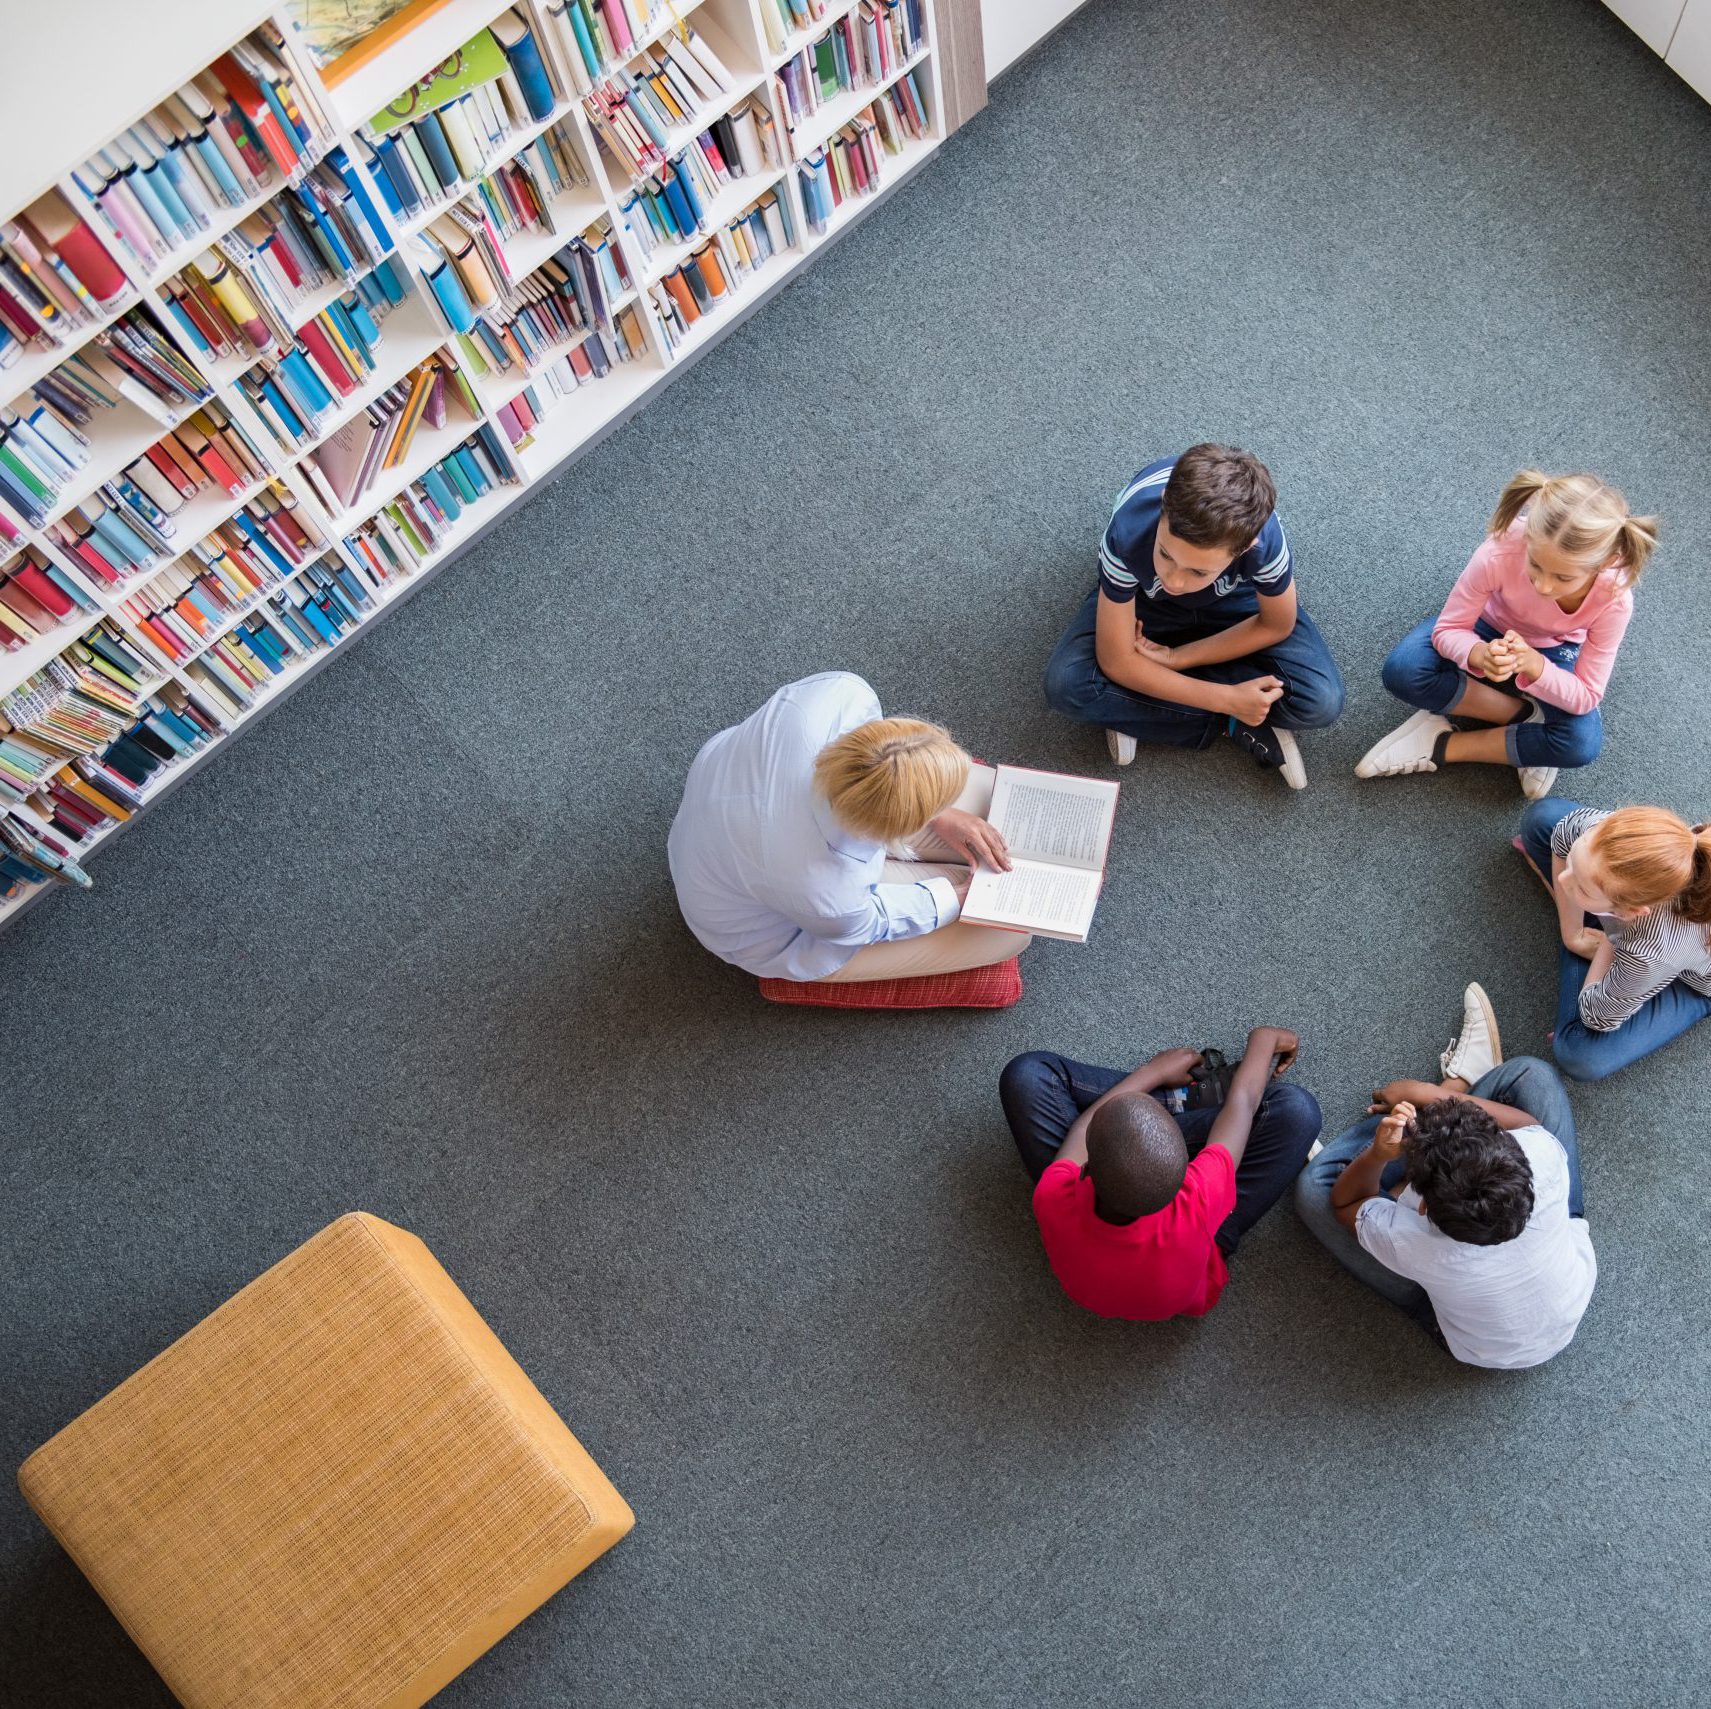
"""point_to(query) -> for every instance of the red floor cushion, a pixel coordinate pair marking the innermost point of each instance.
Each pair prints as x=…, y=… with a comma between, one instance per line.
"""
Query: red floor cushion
x=995, y=987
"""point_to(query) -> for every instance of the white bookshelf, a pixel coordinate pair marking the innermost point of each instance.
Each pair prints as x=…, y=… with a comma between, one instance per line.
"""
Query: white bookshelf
x=130, y=60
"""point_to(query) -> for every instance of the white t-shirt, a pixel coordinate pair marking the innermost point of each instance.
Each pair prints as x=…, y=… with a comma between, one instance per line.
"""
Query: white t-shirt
x=1507, y=1306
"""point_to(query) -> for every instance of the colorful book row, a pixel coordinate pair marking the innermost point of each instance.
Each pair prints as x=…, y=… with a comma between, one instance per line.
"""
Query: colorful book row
x=568, y=371
x=721, y=266
x=584, y=37
x=36, y=599
x=422, y=156
x=572, y=292
x=331, y=356
x=849, y=163
x=240, y=295
x=349, y=461
x=864, y=47
x=247, y=122
x=671, y=206
x=400, y=537
x=56, y=280
x=634, y=111
x=562, y=371
x=782, y=19
x=104, y=543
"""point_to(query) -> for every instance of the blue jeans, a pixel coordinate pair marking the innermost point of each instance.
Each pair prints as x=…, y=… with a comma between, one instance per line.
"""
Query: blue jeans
x=1522, y=1081
x=1582, y=1053
x=1043, y=1093
x=1419, y=675
x=1075, y=686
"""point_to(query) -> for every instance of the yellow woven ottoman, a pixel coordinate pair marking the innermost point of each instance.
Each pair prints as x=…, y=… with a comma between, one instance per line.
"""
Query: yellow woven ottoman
x=337, y=1489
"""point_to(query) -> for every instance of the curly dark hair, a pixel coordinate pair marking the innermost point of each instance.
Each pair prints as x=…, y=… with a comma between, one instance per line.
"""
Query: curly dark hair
x=1472, y=1177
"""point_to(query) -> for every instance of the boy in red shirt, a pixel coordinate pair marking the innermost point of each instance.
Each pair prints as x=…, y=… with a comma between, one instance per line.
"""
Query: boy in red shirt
x=1139, y=1209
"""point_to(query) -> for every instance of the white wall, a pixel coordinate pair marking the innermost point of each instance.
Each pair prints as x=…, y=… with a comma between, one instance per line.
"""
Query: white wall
x=1690, y=48
x=1011, y=27
x=1678, y=29
x=1653, y=21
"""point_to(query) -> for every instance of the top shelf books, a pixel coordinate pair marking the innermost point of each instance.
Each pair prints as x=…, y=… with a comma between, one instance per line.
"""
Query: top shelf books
x=219, y=146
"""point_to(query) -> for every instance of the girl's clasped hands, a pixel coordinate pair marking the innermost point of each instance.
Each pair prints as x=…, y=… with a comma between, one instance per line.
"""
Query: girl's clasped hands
x=1508, y=656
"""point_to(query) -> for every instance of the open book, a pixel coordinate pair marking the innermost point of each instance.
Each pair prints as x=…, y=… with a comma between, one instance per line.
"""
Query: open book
x=1058, y=828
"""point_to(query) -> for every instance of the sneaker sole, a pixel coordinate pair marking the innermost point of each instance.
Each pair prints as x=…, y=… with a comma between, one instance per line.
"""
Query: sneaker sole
x=1477, y=992
x=1121, y=748
x=1293, y=768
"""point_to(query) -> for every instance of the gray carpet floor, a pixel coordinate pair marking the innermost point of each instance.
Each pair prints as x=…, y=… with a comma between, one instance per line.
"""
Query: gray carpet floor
x=411, y=947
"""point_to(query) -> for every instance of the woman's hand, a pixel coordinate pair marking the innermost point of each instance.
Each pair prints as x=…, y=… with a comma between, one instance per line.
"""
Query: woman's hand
x=1584, y=940
x=972, y=838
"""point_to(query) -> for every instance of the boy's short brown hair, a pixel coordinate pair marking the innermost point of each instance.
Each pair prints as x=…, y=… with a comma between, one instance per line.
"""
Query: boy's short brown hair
x=1218, y=495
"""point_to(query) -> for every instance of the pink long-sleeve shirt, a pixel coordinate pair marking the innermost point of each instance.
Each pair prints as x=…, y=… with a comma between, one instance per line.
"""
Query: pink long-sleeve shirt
x=1494, y=586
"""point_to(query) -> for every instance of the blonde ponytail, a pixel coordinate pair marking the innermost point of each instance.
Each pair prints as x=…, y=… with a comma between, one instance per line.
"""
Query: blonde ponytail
x=1516, y=497
x=1636, y=540
x=1586, y=519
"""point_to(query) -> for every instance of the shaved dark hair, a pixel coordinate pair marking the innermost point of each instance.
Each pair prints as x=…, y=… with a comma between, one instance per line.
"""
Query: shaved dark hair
x=1136, y=1158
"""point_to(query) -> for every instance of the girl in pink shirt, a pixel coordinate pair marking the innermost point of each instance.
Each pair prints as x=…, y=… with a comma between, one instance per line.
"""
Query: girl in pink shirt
x=1513, y=669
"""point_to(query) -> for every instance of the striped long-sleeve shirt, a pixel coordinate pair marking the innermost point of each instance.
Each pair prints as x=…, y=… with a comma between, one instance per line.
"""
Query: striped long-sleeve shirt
x=1651, y=953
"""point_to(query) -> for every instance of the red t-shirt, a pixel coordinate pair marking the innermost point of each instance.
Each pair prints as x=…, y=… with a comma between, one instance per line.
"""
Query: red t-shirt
x=1162, y=1265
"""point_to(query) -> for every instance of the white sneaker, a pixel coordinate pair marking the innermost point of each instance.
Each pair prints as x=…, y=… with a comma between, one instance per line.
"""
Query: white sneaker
x=1536, y=780
x=1477, y=1049
x=1294, y=768
x=1121, y=748
x=1407, y=748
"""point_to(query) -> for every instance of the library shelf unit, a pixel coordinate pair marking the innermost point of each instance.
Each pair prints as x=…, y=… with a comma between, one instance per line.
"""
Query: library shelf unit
x=147, y=56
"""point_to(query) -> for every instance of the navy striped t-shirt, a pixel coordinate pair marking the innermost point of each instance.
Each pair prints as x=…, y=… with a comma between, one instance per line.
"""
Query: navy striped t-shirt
x=1126, y=555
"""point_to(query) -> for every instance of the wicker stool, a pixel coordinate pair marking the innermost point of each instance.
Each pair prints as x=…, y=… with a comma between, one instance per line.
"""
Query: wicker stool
x=339, y=1488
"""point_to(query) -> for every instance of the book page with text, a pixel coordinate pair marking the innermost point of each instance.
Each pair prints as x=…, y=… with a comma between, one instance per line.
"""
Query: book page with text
x=1049, y=817
x=1057, y=900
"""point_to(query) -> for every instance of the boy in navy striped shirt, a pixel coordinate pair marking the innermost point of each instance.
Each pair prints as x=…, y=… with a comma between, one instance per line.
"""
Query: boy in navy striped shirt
x=1194, y=631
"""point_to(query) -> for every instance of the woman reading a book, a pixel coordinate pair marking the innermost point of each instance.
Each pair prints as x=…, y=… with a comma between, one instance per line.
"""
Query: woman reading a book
x=820, y=840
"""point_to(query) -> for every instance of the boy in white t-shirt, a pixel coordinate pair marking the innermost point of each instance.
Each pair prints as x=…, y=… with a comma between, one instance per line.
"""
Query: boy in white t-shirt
x=1460, y=1202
